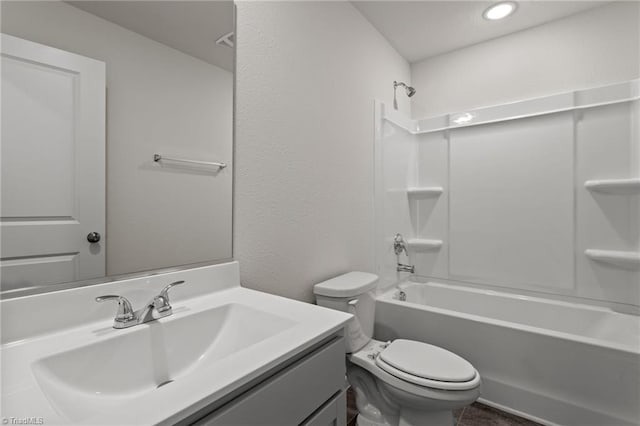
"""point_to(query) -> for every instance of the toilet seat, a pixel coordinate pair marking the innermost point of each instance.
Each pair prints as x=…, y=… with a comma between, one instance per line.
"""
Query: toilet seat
x=427, y=365
x=433, y=384
x=427, y=389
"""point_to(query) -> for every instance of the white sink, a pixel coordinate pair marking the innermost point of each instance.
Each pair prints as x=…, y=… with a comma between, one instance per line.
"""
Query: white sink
x=63, y=362
x=109, y=372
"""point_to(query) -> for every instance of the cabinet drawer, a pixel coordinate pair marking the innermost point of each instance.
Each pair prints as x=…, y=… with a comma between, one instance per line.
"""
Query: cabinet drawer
x=333, y=413
x=291, y=395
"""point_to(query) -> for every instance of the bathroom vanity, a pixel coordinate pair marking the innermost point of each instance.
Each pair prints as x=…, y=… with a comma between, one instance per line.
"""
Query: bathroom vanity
x=226, y=355
x=308, y=391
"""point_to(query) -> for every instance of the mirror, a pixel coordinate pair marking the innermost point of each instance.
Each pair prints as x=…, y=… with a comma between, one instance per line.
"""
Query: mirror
x=117, y=140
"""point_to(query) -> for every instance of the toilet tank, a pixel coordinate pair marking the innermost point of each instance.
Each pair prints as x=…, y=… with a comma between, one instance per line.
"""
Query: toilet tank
x=354, y=293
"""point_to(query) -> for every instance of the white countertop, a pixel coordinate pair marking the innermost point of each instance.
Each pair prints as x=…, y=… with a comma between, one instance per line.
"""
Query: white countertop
x=201, y=386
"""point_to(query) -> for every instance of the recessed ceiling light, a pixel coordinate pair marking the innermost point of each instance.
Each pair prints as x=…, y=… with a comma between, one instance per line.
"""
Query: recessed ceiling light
x=500, y=10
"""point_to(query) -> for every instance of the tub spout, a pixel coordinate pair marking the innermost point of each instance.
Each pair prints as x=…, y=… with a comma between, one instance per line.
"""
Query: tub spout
x=405, y=268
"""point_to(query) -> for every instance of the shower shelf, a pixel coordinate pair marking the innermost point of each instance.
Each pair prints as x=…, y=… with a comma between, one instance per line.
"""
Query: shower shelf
x=419, y=244
x=424, y=192
x=614, y=186
x=619, y=258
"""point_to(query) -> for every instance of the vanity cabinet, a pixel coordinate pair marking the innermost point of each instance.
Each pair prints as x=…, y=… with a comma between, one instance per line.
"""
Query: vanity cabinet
x=309, y=391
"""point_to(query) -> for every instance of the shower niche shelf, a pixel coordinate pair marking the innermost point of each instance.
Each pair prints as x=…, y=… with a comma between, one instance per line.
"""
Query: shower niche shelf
x=614, y=186
x=420, y=244
x=618, y=258
x=424, y=192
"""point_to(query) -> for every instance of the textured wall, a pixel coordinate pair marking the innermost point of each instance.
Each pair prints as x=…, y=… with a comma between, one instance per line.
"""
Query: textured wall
x=307, y=75
x=592, y=48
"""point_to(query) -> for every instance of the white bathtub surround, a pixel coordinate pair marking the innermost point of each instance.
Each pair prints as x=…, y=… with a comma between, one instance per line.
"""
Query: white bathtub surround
x=539, y=223
x=63, y=361
x=424, y=192
x=575, y=100
x=614, y=186
x=622, y=258
x=537, y=196
x=550, y=361
x=421, y=244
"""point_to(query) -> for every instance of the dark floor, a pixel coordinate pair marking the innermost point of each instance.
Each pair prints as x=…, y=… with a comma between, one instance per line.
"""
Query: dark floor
x=478, y=414
x=475, y=414
x=352, y=412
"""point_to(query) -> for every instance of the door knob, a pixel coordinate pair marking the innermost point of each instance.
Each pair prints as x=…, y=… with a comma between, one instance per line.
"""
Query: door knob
x=93, y=237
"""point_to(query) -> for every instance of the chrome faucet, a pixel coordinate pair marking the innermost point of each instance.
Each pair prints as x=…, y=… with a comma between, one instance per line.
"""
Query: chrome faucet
x=126, y=317
x=399, y=247
x=405, y=268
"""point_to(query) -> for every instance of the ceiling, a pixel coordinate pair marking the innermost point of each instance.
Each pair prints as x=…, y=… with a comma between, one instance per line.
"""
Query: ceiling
x=189, y=26
x=416, y=29
x=421, y=29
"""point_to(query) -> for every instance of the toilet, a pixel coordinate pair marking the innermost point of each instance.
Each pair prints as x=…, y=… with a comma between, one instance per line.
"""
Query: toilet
x=402, y=382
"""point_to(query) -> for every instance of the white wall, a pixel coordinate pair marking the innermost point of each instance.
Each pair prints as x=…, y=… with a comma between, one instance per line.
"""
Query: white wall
x=307, y=76
x=158, y=100
x=593, y=48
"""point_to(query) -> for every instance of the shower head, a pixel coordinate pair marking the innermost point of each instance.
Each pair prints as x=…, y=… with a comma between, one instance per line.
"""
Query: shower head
x=408, y=89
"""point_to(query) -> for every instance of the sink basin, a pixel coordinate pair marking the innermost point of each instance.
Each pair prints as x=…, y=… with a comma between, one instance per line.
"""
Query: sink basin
x=133, y=362
x=68, y=366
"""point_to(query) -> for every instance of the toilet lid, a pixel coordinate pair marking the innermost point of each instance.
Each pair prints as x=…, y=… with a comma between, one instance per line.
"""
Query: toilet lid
x=425, y=361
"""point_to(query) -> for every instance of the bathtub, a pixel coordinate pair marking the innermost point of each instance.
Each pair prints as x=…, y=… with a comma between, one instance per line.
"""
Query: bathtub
x=554, y=362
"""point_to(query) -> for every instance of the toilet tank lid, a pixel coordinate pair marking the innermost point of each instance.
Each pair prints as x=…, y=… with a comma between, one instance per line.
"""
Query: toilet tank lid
x=346, y=285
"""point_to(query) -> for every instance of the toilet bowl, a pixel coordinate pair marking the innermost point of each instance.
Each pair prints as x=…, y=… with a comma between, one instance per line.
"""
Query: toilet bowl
x=402, y=382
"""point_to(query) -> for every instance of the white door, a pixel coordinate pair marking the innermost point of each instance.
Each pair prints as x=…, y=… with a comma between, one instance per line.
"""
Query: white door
x=53, y=165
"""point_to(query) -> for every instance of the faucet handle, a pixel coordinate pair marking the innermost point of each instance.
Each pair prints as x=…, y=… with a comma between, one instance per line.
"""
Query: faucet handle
x=399, y=245
x=125, y=311
x=162, y=300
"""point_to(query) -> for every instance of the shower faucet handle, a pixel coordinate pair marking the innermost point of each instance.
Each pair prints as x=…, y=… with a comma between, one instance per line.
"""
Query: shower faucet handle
x=399, y=245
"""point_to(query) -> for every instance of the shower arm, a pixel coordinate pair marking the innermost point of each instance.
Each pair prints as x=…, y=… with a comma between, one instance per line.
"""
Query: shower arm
x=395, y=87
